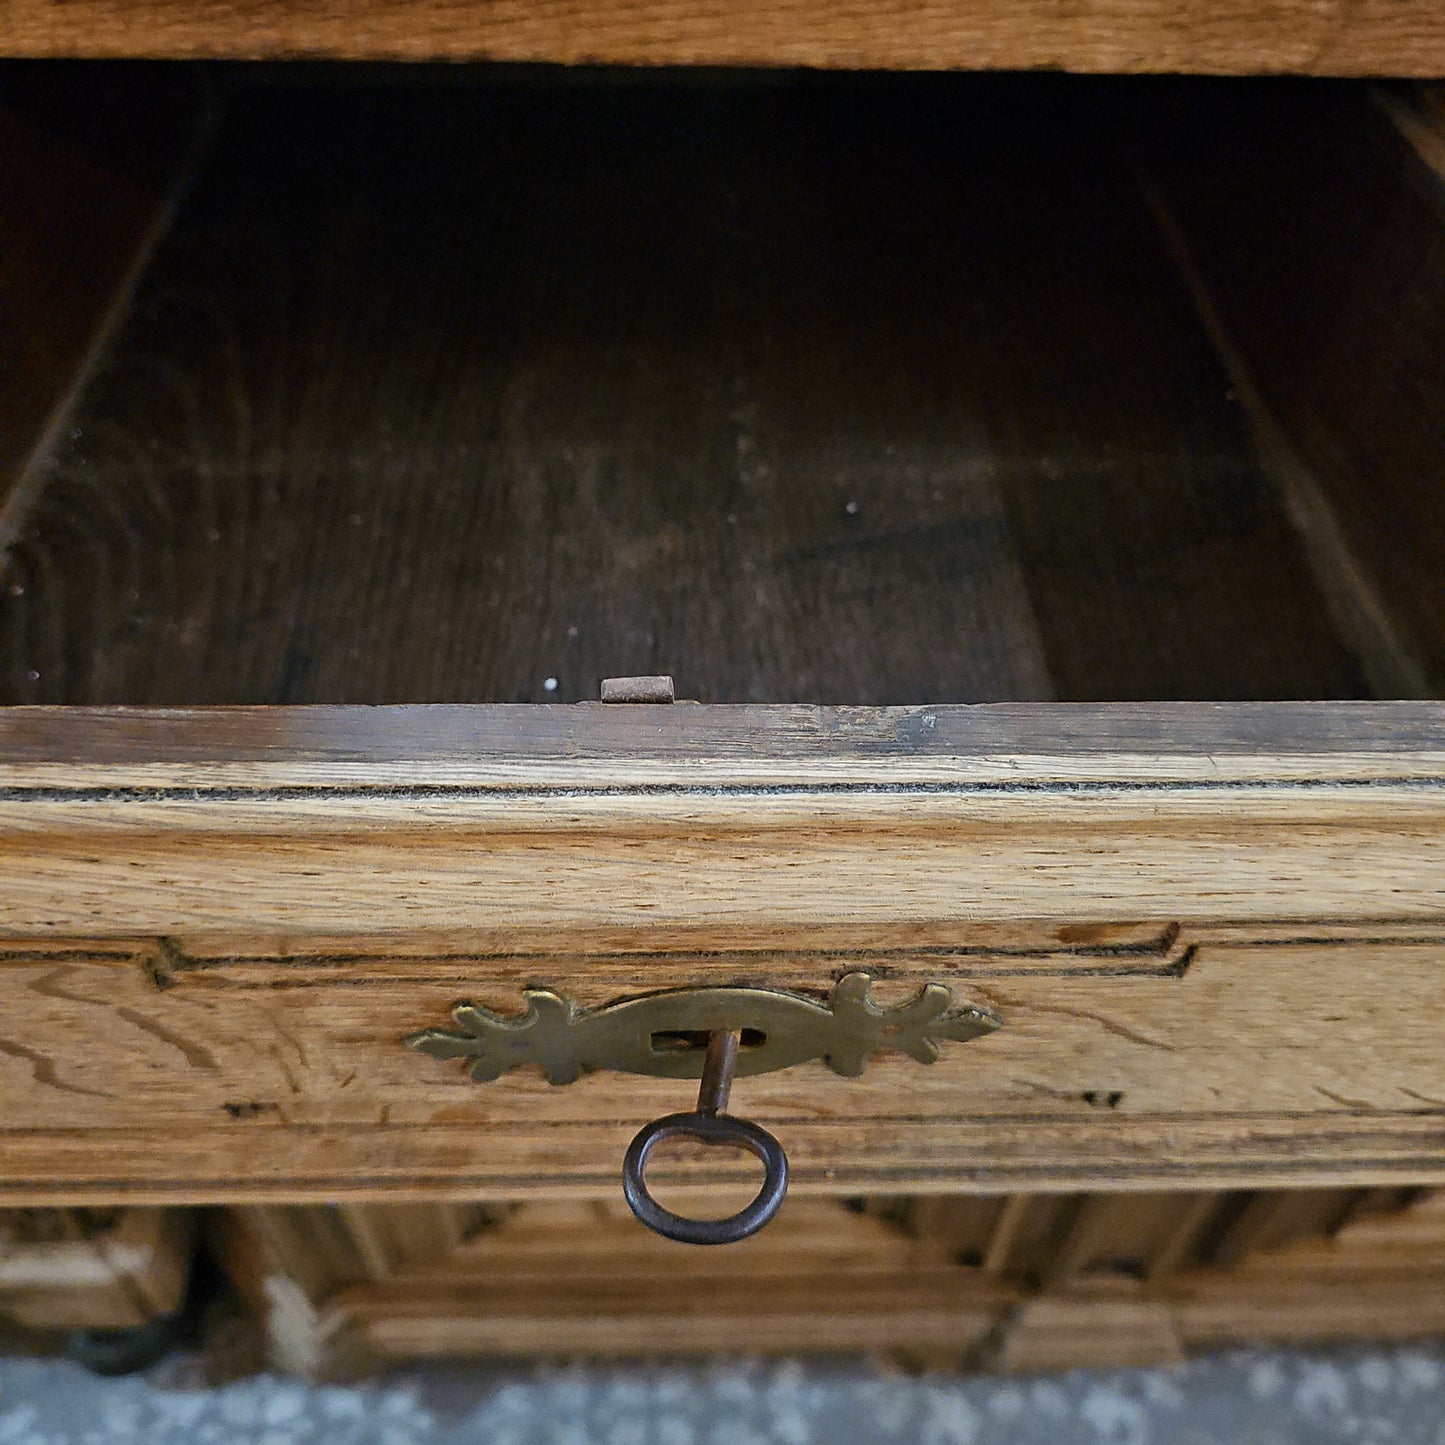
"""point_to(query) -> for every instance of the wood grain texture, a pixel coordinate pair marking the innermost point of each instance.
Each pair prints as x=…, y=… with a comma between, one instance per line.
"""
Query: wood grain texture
x=1384, y=37
x=93, y=1269
x=1380, y=1278
x=1328, y=281
x=476, y=388
x=1217, y=956
x=1037, y=1152
x=564, y=1279
x=1100, y=1325
x=624, y=1294
x=1259, y=1066
x=675, y=817
x=837, y=390
x=1044, y=1238
x=88, y=168
x=324, y=1250
x=1217, y=959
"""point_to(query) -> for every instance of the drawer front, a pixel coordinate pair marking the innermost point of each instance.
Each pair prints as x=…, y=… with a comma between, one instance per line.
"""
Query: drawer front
x=1214, y=938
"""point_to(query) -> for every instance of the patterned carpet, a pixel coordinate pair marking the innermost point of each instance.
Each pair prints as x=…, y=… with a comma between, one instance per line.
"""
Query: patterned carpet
x=1362, y=1396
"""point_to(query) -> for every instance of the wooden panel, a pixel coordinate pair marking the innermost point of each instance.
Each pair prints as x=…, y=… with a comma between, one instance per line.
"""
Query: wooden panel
x=326, y=1249
x=88, y=165
x=584, y=1278
x=472, y=386
x=265, y=923
x=1268, y=1220
x=93, y=1269
x=1113, y=1325
x=550, y=821
x=1381, y=1278
x=961, y=1152
x=1321, y=255
x=1390, y=37
x=224, y=1088
x=1138, y=1235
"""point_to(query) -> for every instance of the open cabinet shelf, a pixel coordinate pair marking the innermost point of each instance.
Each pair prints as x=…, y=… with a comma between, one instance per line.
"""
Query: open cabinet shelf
x=851, y=390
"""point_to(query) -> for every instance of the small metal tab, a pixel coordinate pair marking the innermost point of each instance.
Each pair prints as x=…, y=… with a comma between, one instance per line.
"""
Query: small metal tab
x=638, y=689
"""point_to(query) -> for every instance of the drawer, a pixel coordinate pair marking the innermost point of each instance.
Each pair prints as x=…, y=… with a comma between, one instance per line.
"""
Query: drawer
x=1210, y=962
x=1048, y=525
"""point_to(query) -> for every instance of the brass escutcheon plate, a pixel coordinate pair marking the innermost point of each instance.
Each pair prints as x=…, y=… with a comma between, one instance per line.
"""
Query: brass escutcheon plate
x=665, y=1034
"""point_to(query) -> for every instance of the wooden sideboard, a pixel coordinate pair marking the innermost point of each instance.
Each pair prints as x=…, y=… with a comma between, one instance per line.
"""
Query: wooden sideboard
x=1037, y=482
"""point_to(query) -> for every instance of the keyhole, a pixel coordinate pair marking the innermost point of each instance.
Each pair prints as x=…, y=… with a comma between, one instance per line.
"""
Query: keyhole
x=681, y=1041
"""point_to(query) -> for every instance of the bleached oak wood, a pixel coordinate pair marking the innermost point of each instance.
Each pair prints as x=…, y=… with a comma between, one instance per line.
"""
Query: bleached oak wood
x=1387, y=37
x=1381, y=1278
x=1108, y=1325
x=66, y=1270
x=390, y=820
x=582, y=1277
x=1214, y=937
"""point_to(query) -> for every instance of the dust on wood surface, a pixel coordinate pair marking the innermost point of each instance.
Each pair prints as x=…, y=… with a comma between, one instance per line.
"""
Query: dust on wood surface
x=837, y=391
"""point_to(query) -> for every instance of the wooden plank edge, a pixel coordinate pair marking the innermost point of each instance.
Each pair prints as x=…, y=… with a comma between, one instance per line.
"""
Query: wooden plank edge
x=410, y=1165
x=1405, y=37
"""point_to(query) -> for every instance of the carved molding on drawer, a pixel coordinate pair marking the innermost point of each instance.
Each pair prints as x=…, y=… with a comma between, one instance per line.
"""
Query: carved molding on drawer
x=1289, y=1050
x=1121, y=951
x=1162, y=951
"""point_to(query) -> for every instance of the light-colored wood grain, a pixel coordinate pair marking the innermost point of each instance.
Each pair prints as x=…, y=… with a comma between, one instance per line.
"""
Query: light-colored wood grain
x=71, y=1270
x=1283, y=1062
x=1381, y=1278
x=1139, y=1234
x=1388, y=37
x=393, y=820
x=1214, y=937
x=959, y=1154
x=1270, y=1220
x=1108, y=1325
x=584, y=1278
x=563, y=1279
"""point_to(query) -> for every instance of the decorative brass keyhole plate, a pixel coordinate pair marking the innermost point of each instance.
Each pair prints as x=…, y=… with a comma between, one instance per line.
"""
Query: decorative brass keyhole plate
x=665, y=1034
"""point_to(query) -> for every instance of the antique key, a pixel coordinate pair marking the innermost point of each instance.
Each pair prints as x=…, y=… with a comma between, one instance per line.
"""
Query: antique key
x=712, y=1124
x=775, y=1028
